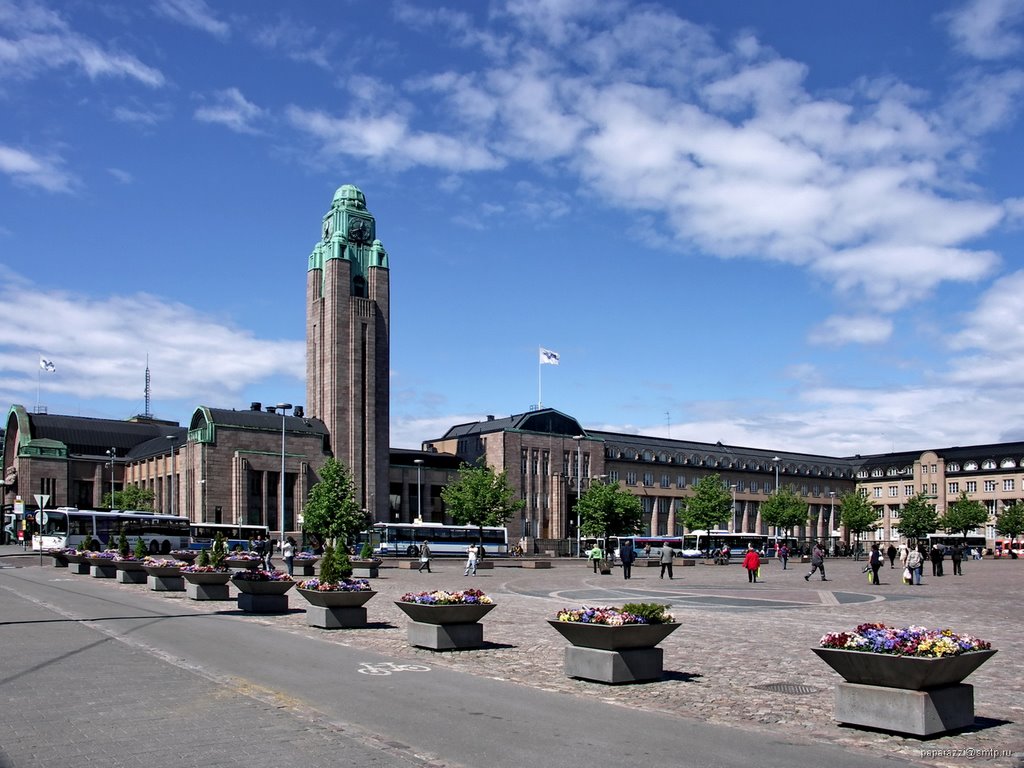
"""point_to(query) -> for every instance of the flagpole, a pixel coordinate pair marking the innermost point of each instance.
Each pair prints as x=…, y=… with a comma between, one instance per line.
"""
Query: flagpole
x=540, y=367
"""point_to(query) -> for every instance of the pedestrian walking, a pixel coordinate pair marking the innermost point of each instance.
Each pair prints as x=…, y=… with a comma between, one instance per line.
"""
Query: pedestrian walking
x=752, y=562
x=665, y=558
x=936, y=555
x=957, y=556
x=260, y=547
x=424, y=556
x=875, y=563
x=817, y=562
x=892, y=552
x=288, y=553
x=783, y=554
x=915, y=562
x=471, y=556
x=627, y=555
x=594, y=556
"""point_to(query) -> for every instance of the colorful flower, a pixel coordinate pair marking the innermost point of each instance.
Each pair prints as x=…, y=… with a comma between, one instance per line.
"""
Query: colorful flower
x=908, y=641
x=440, y=597
x=345, y=585
x=607, y=615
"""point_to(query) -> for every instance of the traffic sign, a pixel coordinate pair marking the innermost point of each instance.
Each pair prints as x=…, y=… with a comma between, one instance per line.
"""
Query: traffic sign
x=42, y=518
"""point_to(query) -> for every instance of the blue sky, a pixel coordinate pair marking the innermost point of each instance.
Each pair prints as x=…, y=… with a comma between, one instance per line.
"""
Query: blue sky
x=790, y=225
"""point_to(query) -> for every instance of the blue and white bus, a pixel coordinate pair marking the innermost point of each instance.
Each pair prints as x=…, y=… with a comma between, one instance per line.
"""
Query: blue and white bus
x=67, y=527
x=398, y=539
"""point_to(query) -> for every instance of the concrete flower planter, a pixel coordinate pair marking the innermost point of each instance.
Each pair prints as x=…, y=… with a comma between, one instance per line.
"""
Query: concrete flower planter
x=445, y=627
x=614, y=654
x=262, y=596
x=130, y=572
x=613, y=638
x=913, y=673
x=336, y=610
x=207, y=585
x=904, y=694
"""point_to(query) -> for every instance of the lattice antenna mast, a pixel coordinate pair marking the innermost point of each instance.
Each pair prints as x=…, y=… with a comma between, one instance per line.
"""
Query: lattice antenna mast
x=148, y=391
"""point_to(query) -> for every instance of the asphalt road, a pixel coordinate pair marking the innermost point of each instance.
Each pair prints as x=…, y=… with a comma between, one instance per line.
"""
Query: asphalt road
x=66, y=641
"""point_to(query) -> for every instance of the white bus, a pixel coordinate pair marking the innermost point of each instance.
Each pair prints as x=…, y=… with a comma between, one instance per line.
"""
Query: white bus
x=203, y=534
x=66, y=527
x=404, y=539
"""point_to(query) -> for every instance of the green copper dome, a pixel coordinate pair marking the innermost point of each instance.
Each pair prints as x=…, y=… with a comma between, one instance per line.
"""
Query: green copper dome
x=349, y=196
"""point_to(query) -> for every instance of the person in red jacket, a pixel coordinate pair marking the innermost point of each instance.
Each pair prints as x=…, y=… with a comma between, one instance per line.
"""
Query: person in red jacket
x=751, y=561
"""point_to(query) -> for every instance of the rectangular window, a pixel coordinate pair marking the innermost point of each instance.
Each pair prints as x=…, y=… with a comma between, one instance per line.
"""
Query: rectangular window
x=894, y=491
x=878, y=492
x=972, y=486
x=1007, y=485
x=613, y=476
x=522, y=461
x=990, y=486
x=908, y=490
x=954, y=488
x=648, y=479
x=534, y=455
x=935, y=468
x=895, y=513
x=631, y=478
x=665, y=482
x=935, y=489
x=680, y=481
x=755, y=486
x=545, y=463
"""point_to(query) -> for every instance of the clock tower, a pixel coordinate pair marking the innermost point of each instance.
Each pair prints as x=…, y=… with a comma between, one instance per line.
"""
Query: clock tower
x=348, y=317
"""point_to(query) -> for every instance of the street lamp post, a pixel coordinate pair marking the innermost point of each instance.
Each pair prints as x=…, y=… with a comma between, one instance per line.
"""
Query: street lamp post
x=283, y=408
x=832, y=511
x=174, y=476
x=112, y=453
x=579, y=486
x=775, y=461
x=732, y=515
x=419, y=489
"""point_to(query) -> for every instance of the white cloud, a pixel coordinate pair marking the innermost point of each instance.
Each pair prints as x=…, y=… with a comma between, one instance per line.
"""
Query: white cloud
x=39, y=40
x=121, y=175
x=204, y=359
x=195, y=14
x=32, y=170
x=863, y=329
x=232, y=110
x=985, y=28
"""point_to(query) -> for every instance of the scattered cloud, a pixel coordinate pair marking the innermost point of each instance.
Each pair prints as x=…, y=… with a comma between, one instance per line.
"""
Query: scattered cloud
x=839, y=330
x=985, y=29
x=27, y=169
x=195, y=14
x=232, y=110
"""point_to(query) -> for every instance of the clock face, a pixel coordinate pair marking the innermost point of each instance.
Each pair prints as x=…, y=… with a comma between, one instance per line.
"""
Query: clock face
x=360, y=231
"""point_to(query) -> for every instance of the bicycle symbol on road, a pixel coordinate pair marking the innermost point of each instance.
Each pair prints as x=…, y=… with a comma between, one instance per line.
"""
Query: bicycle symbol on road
x=388, y=667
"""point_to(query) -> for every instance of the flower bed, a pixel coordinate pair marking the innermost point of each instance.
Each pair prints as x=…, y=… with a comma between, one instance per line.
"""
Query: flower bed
x=162, y=562
x=909, y=641
x=615, y=617
x=202, y=569
x=440, y=597
x=345, y=585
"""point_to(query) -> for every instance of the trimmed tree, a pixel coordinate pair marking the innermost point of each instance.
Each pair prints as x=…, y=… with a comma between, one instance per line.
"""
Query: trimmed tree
x=918, y=517
x=963, y=515
x=131, y=497
x=857, y=514
x=785, y=510
x=480, y=497
x=332, y=513
x=709, y=505
x=606, y=509
x=1010, y=522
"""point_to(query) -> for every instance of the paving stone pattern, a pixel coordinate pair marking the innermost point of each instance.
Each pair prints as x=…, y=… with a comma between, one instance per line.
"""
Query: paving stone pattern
x=738, y=642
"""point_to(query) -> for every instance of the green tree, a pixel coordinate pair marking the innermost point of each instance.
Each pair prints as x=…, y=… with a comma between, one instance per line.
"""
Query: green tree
x=963, y=515
x=480, y=497
x=709, y=506
x=332, y=513
x=857, y=514
x=606, y=509
x=1010, y=522
x=918, y=517
x=785, y=510
x=131, y=497
x=219, y=551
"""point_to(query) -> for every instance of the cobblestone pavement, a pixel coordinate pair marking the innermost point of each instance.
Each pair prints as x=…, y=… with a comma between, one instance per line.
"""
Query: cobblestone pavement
x=742, y=656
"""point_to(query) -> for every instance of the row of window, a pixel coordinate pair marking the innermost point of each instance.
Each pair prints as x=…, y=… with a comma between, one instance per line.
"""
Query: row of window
x=968, y=466
x=970, y=486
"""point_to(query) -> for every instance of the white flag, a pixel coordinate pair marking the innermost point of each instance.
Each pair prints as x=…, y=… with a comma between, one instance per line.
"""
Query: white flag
x=547, y=357
x=46, y=365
